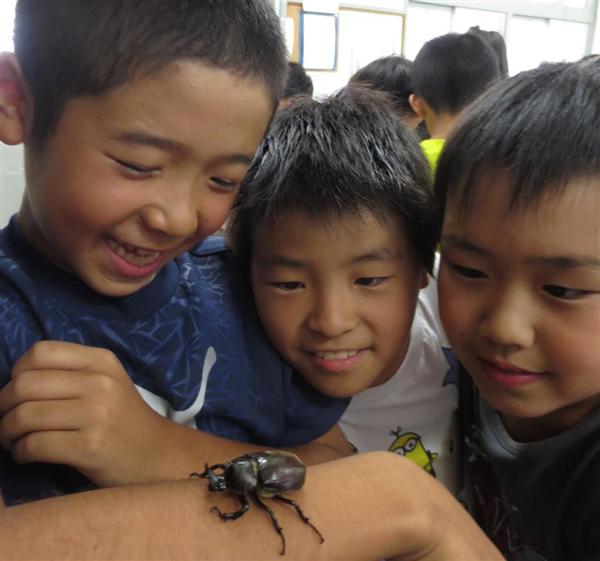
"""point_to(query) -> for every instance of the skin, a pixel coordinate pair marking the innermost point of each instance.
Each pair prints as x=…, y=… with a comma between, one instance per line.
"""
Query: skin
x=337, y=299
x=361, y=504
x=520, y=301
x=439, y=124
x=171, y=181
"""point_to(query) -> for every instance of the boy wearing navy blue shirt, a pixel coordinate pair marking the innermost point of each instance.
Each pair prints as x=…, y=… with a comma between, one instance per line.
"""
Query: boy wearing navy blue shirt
x=116, y=318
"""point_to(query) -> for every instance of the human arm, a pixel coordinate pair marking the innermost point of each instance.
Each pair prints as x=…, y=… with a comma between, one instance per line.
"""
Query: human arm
x=368, y=507
x=75, y=405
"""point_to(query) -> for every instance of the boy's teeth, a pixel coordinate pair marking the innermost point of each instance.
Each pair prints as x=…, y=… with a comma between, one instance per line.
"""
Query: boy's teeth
x=132, y=254
x=335, y=355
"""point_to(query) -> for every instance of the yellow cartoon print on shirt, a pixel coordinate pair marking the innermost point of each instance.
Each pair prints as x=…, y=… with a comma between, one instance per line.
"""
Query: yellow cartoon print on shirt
x=410, y=445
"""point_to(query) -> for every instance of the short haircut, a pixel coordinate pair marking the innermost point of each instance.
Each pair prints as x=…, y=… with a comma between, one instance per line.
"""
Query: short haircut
x=390, y=74
x=539, y=127
x=298, y=81
x=345, y=154
x=71, y=48
x=452, y=70
x=496, y=41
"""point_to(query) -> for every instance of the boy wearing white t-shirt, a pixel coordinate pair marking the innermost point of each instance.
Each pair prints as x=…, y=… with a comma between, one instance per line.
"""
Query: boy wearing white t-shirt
x=335, y=229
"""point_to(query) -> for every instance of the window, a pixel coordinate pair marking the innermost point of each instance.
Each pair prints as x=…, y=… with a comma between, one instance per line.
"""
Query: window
x=531, y=41
x=7, y=16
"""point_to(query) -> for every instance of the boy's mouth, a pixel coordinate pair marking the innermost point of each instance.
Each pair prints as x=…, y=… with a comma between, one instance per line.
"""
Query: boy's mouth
x=335, y=355
x=136, y=256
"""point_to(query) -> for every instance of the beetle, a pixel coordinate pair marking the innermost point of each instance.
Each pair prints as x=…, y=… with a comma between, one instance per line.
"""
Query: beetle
x=265, y=474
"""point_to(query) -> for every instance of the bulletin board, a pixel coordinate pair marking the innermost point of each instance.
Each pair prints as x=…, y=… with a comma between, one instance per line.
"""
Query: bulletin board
x=318, y=41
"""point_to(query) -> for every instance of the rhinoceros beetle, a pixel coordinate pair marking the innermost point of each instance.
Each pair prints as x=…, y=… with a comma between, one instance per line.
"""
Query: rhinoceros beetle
x=259, y=474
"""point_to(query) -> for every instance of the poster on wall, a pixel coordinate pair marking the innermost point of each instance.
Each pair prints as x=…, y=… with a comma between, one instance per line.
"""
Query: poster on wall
x=318, y=40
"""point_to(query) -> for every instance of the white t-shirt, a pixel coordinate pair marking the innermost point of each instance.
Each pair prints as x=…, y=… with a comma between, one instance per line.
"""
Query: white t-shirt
x=413, y=413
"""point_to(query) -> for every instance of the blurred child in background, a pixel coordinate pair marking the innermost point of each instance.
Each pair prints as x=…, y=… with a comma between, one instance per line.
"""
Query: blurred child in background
x=390, y=74
x=298, y=83
x=448, y=73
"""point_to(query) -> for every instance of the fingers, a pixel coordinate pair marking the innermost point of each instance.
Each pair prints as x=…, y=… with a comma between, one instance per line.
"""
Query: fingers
x=33, y=416
x=41, y=385
x=71, y=447
x=59, y=355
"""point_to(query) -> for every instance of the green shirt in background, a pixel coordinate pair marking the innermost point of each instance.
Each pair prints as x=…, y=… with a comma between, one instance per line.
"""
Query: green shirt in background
x=433, y=148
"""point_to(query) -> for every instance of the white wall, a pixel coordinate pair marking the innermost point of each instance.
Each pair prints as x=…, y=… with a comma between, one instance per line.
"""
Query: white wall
x=12, y=181
x=11, y=157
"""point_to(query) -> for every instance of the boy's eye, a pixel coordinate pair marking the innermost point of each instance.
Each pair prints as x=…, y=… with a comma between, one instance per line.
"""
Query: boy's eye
x=225, y=184
x=469, y=273
x=565, y=293
x=371, y=281
x=137, y=170
x=287, y=286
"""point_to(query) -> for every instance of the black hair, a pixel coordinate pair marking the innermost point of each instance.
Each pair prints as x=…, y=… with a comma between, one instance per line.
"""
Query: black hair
x=539, y=127
x=390, y=74
x=70, y=48
x=298, y=81
x=496, y=41
x=345, y=154
x=452, y=70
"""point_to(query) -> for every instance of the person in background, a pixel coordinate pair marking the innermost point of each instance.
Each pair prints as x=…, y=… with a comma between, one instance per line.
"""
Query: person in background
x=390, y=74
x=334, y=230
x=496, y=41
x=298, y=83
x=129, y=351
x=518, y=186
x=449, y=73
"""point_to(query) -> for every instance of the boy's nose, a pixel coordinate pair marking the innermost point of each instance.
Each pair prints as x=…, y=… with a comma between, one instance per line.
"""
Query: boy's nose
x=175, y=214
x=509, y=321
x=332, y=315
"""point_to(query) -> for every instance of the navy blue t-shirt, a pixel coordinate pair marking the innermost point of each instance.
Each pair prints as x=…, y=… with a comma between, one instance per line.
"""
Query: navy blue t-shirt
x=190, y=340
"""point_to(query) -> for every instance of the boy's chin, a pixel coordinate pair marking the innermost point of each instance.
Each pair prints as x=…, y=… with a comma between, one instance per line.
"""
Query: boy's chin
x=116, y=289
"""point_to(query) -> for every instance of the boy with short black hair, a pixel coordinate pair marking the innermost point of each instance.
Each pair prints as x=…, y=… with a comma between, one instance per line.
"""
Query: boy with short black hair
x=139, y=120
x=448, y=73
x=519, y=283
x=298, y=83
x=335, y=230
x=390, y=74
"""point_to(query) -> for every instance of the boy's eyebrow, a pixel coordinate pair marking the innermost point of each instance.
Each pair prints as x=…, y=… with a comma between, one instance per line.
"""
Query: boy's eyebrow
x=556, y=261
x=284, y=261
x=568, y=261
x=170, y=145
x=462, y=243
x=280, y=261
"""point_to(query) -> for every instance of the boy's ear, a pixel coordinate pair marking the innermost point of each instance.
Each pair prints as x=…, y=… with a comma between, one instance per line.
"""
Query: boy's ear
x=418, y=105
x=425, y=280
x=12, y=100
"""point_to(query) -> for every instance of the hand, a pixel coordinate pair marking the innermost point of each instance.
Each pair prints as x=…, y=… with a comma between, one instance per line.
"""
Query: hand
x=76, y=405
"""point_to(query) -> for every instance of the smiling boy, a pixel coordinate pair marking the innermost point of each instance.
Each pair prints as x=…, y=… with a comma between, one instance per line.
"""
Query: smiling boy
x=139, y=121
x=334, y=227
x=519, y=284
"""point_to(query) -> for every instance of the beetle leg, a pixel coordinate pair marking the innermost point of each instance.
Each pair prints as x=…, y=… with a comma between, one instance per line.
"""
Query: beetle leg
x=233, y=515
x=278, y=528
x=301, y=514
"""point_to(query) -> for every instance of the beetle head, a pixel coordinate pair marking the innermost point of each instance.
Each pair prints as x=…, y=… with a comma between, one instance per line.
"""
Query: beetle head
x=215, y=482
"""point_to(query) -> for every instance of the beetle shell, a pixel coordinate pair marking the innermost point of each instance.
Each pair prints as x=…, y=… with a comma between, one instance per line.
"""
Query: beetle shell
x=278, y=472
x=241, y=474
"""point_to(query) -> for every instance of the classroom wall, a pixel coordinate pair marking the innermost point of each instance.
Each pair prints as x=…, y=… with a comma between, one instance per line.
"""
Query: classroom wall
x=12, y=181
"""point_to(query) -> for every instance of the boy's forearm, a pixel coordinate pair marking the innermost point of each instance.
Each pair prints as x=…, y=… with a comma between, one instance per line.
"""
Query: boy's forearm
x=180, y=450
x=368, y=507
